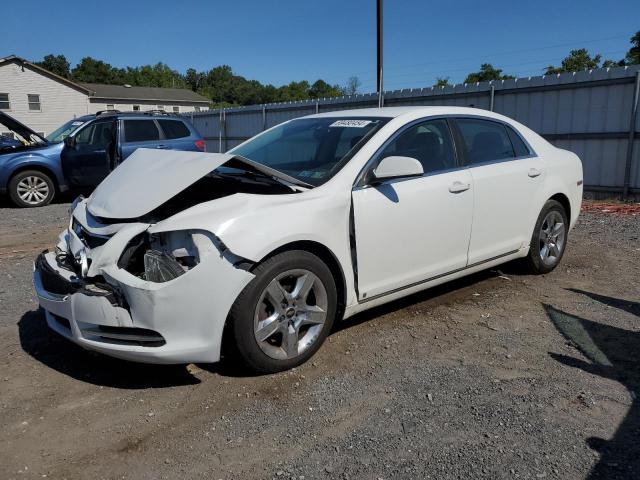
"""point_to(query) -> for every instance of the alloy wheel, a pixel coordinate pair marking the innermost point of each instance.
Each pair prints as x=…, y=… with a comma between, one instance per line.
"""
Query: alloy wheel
x=33, y=190
x=290, y=314
x=552, y=237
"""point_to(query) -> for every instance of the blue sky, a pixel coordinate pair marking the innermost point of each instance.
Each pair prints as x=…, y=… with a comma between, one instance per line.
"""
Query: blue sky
x=276, y=41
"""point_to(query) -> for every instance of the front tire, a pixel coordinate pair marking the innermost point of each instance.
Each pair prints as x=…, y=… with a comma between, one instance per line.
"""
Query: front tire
x=31, y=188
x=549, y=238
x=284, y=315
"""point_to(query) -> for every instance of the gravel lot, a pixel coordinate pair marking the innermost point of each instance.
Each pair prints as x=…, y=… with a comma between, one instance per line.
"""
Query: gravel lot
x=500, y=375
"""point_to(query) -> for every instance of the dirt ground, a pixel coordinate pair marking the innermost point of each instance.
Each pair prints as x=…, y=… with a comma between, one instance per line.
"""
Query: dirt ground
x=500, y=375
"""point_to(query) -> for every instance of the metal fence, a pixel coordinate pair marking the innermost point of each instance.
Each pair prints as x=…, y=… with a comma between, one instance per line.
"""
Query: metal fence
x=592, y=113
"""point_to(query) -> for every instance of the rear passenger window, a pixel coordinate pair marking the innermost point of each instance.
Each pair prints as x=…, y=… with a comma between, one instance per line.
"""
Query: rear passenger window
x=485, y=140
x=519, y=146
x=174, y=129
x=428, y=142
x=140, y=131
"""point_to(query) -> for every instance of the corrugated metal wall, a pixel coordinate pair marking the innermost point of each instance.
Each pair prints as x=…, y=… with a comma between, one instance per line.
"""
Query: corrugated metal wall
x=586, y=112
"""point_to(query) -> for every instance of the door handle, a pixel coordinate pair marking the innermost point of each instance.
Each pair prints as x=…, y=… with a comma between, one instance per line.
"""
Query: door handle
x=458, y=187
x=163, y=147
x=534, y=172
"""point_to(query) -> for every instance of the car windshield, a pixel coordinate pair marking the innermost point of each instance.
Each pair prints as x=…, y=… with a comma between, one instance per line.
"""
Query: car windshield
x=310, y=149
x=62, y=132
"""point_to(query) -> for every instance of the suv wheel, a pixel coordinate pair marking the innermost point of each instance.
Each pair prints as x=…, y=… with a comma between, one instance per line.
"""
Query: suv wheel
x=31, y=188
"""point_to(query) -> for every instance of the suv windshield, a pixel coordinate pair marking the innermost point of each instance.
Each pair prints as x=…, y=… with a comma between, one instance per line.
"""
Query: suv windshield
x=311, y=149
x=60, y=133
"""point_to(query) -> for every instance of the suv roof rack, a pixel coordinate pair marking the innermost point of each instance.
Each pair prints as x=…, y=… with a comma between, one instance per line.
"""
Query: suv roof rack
x=107, y=112
x=138, y=112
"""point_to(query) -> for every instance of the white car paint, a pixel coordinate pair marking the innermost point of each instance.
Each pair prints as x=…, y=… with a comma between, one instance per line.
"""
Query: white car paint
x=410, y=234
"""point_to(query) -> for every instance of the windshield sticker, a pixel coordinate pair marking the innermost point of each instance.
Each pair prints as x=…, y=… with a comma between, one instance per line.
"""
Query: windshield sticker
x=350, y=123
x=75, y=124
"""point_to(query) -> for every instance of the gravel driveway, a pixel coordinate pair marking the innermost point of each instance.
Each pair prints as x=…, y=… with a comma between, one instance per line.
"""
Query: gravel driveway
x=500, y=375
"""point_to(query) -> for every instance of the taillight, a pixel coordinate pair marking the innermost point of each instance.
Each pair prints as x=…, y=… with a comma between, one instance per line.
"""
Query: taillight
x=201, y=145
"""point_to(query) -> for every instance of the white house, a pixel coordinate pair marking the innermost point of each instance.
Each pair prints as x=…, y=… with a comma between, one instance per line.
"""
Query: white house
x=43, y=100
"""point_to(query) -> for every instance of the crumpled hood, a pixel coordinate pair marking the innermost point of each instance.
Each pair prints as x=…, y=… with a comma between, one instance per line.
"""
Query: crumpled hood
x=149, y=177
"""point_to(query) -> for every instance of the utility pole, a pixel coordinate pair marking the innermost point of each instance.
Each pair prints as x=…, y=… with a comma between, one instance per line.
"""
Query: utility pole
x=379, y=84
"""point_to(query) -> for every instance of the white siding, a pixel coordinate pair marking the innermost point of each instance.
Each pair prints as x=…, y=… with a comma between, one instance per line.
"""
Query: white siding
x=59, y=103
x=101, y=104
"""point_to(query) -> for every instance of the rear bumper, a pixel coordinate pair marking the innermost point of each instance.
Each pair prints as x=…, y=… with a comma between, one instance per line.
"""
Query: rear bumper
x=180, y=321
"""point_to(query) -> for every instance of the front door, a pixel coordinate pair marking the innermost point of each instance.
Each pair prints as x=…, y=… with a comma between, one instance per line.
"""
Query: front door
x=408, y=231
x=89, y=158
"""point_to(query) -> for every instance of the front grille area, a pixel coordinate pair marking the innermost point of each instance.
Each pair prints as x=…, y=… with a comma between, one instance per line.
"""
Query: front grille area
x=122, y=335
x=91, y=240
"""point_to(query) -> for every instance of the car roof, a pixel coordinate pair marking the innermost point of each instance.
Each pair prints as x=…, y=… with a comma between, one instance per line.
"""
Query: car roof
x=393, y=112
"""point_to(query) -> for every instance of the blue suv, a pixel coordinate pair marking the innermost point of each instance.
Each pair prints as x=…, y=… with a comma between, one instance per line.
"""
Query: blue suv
x=83, y=151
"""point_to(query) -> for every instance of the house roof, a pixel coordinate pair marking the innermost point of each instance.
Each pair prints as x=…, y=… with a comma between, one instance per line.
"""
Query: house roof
x=121, y=92
x=25, y=63
x=115, y=92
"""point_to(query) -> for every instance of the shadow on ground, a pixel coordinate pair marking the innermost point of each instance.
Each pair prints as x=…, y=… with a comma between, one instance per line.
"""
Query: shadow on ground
x=613, y=353
x=65, y=357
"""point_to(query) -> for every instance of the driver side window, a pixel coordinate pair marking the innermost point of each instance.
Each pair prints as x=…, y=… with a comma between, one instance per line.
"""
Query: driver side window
x=428, y=142
x=97, y=135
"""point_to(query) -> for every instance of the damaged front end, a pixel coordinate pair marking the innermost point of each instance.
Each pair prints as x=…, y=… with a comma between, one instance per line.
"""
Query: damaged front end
x=119, y=289
x=162, y=257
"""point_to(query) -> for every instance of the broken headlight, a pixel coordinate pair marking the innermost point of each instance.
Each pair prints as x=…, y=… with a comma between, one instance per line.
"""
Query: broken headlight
x=160, y=257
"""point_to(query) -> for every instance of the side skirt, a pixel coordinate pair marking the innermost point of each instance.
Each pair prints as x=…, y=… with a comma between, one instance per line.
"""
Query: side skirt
x=433, y=281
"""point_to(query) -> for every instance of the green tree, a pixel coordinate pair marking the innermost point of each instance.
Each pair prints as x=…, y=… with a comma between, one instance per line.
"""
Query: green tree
x=194, y=79
x=352, y=86
x=441, y=82
x=57, y=64
x=487, y=72
x=91, y=70
x=633, y=55
x=294, y=91
x=321, y=89
x=576, y=61
x=158, y=75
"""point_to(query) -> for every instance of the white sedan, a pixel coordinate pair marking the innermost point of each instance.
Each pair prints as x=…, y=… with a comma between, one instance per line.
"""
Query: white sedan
x=260, y=250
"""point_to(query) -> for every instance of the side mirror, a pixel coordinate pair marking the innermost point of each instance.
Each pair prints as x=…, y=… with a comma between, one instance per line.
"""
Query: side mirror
x=396, y=167
x=70, y=142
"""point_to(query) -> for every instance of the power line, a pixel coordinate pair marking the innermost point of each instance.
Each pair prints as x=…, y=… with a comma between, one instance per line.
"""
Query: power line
x=456, y=60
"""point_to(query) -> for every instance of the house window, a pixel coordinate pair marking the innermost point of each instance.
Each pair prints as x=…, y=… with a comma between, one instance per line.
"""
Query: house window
x=136, y=108
x=4, y=101
x=197, y=109
x=176, y=109
x=34, y=102
x=110, y=107
x=161, y=107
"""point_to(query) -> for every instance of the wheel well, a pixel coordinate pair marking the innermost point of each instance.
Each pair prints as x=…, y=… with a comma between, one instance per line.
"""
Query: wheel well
x=37, y=168
x=564, y=201
x=328, y=258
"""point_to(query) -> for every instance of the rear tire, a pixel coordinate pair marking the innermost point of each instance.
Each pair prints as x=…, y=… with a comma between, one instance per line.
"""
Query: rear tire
x=31, y=188
x=549, y=239
x=285, y=313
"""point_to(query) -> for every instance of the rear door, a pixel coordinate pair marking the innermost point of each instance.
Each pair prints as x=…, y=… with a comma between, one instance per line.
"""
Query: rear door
x=177, y=135
x=92, y=154
x=507, y=176
x=139, y=133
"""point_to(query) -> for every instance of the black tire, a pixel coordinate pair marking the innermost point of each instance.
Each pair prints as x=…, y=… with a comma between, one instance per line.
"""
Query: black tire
x=534, y=261
x=244, y=344
x=44, y=182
